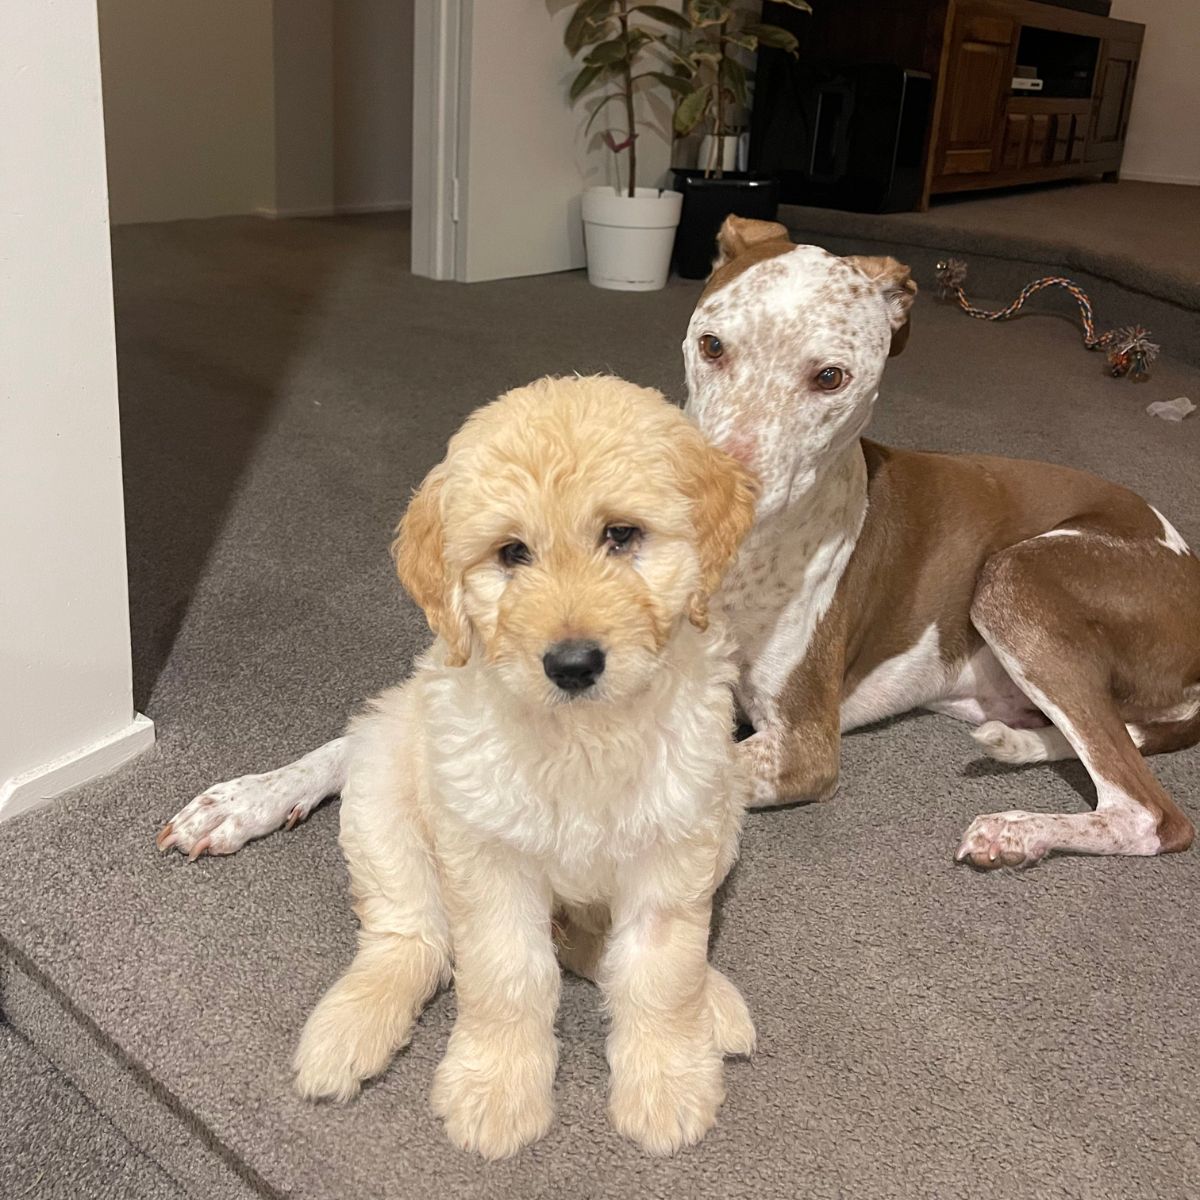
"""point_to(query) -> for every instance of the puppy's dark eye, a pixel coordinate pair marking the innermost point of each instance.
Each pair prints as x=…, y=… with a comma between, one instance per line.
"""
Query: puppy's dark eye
x=711, y=347
x=830, y=379
x=515, y=554
x=620, y=538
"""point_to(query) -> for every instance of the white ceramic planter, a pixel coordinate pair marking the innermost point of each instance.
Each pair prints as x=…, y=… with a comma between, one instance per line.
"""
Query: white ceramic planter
x=629, y=238
x=706, y=158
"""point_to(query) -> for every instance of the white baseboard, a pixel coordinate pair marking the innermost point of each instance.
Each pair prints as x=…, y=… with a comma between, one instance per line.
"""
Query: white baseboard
x=36, y=787
x=334, y=210
x=1148, y=177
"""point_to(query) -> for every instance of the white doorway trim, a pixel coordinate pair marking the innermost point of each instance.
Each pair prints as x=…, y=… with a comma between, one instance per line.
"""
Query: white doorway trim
x=440, y=84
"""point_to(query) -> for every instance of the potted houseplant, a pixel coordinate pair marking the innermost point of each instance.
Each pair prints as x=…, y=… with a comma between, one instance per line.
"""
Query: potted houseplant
x=626, y=46
x=716, y=86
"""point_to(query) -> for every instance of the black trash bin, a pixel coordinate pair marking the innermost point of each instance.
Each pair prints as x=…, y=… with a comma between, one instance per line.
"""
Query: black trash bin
x=706, y=203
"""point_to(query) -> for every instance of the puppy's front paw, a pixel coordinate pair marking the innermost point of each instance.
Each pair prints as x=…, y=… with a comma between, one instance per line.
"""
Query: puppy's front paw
x=733, y=1029
x=666, y=1091
x=495, y=1097
x=350, y=1036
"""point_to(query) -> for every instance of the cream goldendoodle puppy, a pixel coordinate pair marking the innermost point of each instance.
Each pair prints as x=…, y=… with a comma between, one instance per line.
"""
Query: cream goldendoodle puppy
x=558, y=768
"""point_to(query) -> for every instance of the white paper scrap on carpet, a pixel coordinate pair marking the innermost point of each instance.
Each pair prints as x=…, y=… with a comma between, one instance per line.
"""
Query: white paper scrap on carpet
x=1171, y=410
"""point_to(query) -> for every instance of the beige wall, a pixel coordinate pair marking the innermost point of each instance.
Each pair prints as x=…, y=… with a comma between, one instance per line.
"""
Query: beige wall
x=215, y=107
x=66, y=707
x=372, y=103
x=1163, y=143
x=188, y=107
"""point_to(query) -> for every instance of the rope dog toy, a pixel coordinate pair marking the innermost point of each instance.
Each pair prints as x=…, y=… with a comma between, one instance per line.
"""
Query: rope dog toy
x=1129, y=350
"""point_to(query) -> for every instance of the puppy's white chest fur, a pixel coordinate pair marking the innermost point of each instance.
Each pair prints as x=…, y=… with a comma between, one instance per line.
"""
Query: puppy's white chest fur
x=585, y=787
x=784, y=580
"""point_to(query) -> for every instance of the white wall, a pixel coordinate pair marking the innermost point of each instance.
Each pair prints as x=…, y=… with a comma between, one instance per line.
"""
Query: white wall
x=527, y=162
x=188, y=107
x=65, y=683
x=1163, y=143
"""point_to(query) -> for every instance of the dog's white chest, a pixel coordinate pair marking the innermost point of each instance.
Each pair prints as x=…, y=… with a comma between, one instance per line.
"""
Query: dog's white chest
x=783, y=582
x=584, y=798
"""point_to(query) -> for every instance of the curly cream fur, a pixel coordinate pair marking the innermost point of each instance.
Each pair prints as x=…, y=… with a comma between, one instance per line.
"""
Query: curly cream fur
x=481, y=802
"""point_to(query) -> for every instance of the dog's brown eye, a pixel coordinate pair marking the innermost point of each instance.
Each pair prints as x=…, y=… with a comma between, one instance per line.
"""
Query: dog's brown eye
x=830, y=379
x=711, y=347
x=515, y=554
x=619, y=538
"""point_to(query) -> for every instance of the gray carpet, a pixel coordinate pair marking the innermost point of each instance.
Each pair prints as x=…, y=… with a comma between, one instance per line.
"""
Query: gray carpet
x=54, y=1143
x=1145, y=234
x=1133, y=247
x=924, y=1031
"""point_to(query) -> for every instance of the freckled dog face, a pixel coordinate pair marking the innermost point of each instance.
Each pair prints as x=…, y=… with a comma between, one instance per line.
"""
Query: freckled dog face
x=578, y=521
x=785, y=351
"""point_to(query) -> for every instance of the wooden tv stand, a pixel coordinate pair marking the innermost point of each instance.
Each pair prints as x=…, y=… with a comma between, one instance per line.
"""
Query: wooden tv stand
x=981, y=133
x=985, y=135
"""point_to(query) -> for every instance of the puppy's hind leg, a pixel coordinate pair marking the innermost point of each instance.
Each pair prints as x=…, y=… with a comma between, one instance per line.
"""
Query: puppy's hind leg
x=403, y=943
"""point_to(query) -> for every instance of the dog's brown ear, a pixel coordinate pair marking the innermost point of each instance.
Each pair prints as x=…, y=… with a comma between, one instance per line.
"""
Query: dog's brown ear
x=419, y=552
x=723, y=493
x=899, y=290
x=738, y=234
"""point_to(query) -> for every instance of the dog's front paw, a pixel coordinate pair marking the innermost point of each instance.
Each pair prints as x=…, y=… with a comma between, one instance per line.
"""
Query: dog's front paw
x=224, y=817
x=733, y=1029
x=1009, y=839
x=495, y=1098
x=351, y=1036
x=666, y=1092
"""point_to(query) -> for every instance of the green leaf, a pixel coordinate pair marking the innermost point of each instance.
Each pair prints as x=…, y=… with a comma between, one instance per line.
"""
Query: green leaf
x=583, y=81
x=745, y=40
x=677, y=84
x=733, y=76
x=802, y=5
x=691, y=110
x=607, y=53
x=665, y=16
x=773, y=36
x=708, y=12
x=597, y=110
x=580, y=28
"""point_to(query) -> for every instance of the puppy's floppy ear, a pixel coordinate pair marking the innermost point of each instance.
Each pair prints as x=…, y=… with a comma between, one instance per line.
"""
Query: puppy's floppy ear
x=899, y=290
x=419, y=551
x=738, y=234
x=723, y=493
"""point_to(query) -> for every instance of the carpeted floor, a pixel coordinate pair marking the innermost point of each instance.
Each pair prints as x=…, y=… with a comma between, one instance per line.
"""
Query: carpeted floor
x=1146, y=234
x=924, y=1031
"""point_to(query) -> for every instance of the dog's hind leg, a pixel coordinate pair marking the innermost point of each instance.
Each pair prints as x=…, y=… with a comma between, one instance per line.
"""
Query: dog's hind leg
x=403, y=942
x=1094, y=630
x=225, y=816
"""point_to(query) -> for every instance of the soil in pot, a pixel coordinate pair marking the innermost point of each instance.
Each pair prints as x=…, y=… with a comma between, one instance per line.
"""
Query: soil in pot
x=706, y=203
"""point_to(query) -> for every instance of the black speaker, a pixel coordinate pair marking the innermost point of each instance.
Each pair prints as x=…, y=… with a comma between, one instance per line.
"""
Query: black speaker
x=849, y=136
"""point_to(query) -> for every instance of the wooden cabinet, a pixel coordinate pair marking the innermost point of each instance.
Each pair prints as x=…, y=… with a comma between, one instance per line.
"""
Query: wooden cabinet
x=981, y=49
x=986, y=133
x=1112, y=98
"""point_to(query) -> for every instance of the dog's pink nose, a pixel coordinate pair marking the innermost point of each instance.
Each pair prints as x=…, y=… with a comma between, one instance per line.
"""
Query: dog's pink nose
x=574, y=665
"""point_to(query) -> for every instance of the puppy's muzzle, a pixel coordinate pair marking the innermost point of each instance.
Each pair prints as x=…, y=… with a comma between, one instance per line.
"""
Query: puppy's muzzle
x=574, y=665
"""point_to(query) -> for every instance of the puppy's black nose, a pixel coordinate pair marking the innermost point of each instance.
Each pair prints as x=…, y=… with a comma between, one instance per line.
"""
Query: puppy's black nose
x=574, y=665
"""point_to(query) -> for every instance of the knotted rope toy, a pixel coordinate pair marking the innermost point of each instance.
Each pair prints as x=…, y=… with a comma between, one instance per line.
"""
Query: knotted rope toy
x=1129, y=349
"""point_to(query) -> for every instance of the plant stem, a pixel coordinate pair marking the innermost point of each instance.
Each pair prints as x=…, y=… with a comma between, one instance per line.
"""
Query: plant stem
x=719, y=139
x=623, y=17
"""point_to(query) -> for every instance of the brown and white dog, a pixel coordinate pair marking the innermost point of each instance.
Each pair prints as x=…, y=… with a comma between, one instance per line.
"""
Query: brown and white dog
x=1009, y=594
x=876, y=581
